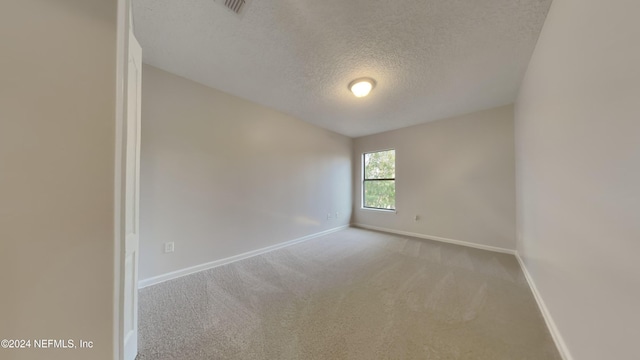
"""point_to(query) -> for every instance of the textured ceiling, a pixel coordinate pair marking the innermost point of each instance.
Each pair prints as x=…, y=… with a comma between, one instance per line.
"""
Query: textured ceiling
x=432, y=59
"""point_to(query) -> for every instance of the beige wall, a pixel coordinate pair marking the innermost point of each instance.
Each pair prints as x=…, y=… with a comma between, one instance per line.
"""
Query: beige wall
x=221, y=176
x=457, y=175
x=57, y=116
x=578, y=156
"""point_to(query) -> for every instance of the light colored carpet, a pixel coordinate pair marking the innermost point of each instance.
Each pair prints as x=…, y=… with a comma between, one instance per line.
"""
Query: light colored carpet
x=353, y=294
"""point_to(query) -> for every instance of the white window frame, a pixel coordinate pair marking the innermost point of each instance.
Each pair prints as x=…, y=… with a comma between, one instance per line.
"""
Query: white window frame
x=362, y=181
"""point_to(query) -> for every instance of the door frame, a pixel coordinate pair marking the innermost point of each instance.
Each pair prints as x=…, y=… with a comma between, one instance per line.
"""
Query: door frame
x=123, y=27
x=129, y=265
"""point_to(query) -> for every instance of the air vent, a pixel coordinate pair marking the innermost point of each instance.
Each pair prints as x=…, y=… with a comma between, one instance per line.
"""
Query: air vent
x=238, y=7
x=234, y=5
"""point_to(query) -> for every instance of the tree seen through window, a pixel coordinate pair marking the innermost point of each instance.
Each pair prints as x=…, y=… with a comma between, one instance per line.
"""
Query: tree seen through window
x=379, y=180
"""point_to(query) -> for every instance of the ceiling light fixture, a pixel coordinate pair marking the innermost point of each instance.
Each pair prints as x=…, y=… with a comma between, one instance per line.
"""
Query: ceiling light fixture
x=362, y=86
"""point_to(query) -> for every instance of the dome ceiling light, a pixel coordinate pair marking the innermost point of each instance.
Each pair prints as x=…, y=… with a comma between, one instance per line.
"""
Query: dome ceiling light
x=362, y=86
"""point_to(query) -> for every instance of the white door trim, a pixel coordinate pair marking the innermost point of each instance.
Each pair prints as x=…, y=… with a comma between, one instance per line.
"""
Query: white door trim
x=124, y=30
x=122, y=51
x=131, y=205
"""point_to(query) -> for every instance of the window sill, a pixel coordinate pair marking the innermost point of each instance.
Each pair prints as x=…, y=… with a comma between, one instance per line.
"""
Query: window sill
x=380, y=210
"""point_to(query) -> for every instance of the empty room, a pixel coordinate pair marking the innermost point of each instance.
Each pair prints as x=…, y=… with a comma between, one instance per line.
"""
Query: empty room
x=261, y=179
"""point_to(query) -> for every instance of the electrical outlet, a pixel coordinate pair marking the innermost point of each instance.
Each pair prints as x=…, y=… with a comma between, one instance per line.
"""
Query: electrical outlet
x=337, y=214
x=329, y=216
x=168, y=247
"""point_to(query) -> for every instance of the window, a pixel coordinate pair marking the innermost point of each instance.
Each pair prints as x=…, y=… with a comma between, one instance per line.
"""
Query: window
x=379, y=180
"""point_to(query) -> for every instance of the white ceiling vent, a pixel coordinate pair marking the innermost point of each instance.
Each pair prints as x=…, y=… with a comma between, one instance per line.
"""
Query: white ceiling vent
x=237, y=6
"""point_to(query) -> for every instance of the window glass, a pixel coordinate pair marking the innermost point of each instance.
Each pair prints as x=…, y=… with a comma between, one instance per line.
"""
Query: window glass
x=379, y=180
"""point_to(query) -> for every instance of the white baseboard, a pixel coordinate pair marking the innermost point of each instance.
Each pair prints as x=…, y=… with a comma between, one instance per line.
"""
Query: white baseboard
x=206, y=266
x=437, y=238
x=553, y=329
